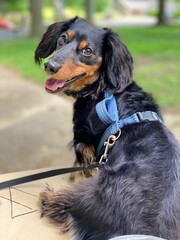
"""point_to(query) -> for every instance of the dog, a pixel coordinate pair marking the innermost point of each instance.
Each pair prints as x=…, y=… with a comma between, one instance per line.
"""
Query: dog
x=137, y=191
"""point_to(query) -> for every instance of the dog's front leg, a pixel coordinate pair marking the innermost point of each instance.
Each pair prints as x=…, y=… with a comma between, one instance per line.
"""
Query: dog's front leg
x=76, y=210
x=56, y=206
x=85, y=140
x=85, y=155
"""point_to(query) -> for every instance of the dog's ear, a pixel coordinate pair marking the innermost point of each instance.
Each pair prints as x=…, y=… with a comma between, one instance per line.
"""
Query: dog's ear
x=49, y=40
x=118, y=62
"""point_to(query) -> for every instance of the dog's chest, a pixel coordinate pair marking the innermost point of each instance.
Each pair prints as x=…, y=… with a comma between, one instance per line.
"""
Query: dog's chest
x=85, y=116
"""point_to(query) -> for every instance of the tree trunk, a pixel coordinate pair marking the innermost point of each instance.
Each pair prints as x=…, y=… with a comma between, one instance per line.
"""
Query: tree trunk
x=161, y=14
x=89, y=10
x=36, y=18
x=59, y=8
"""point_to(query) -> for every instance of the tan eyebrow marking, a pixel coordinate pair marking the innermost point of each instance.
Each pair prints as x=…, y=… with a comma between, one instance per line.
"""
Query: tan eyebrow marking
x=71, y=34
x=83, y=44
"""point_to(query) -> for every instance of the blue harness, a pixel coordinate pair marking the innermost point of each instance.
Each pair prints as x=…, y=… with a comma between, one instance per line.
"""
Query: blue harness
x=108, y=114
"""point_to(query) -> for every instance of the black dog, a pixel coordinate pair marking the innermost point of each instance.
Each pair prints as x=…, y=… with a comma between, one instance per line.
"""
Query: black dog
x=138, y=189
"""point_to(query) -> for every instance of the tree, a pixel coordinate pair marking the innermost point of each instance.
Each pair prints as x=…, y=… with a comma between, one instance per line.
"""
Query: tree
x=161, y=12
x=59, y=9
x=36, y=18
x=89, y=5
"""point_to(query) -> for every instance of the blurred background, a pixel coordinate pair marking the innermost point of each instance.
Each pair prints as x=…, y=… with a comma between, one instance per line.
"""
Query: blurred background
x=35, y=127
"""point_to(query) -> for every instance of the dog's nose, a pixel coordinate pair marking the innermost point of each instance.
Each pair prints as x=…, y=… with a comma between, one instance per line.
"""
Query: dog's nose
x=51, y=67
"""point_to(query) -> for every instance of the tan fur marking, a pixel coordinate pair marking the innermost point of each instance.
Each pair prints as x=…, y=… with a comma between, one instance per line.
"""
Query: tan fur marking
x=46, y=194
x=91, y=73
x=71, y=69
x=88, y=153
x=71, y=34
x=83, y=44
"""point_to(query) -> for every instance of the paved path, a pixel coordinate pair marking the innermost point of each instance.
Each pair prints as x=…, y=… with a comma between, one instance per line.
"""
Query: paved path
x=128, y=21
x=35, y=127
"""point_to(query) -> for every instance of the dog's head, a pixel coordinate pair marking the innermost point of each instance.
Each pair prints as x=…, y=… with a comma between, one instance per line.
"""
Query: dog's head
x=82, y=56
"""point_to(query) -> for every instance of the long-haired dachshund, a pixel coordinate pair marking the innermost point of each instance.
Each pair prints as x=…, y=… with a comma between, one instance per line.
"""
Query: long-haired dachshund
x=138, y=189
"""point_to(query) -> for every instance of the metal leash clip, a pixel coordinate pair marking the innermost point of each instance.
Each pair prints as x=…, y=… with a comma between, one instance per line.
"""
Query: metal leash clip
x=108, y=144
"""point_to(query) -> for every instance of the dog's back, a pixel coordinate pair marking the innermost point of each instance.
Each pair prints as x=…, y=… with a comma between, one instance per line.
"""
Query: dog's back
x=138, y=191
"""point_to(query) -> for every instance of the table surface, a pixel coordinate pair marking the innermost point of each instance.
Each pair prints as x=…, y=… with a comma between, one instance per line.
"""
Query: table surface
x=20, y=209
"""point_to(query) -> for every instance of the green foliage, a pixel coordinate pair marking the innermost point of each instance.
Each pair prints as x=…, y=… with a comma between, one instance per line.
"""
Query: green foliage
x=13, y=5
x=155, y=51
x=153, y=12
x=77, y=3
x=99, y=5
x=156, y=56
x=177, y=13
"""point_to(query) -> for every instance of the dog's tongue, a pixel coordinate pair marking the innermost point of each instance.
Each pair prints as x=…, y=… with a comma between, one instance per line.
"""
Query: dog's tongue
x=53, y=85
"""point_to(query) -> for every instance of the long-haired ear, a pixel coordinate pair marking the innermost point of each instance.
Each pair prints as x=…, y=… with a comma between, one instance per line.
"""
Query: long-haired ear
x=49, y=40
x=118, y=62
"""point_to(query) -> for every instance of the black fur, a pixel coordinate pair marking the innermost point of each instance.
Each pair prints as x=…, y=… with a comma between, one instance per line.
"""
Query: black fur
x=49, y=40
x=138, y=190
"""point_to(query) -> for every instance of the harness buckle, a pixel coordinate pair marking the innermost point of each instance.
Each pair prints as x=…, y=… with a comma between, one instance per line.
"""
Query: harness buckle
x=108, y=144
x=146, y=116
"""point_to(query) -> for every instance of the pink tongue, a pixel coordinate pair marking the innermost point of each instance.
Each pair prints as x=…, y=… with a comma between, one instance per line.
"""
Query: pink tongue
x=53, y=84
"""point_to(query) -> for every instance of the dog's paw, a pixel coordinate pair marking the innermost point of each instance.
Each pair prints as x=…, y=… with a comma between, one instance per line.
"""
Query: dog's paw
x=55, y=205
x=46, y=194
x=45, y=197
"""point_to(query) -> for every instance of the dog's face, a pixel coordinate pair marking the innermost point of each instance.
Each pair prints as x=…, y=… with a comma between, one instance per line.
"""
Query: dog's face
x=81, y=54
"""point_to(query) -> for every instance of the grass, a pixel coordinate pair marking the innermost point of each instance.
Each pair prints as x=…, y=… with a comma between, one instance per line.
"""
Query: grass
x=19, y=54
x=156, y=54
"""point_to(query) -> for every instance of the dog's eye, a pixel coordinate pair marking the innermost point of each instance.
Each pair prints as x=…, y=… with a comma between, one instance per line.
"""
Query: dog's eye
x=87, y=52
x=62, y=40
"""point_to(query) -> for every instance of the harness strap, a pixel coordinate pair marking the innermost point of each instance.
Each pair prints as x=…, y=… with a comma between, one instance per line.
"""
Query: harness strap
x=108, y=114
x=107, y=109
x=47, y=174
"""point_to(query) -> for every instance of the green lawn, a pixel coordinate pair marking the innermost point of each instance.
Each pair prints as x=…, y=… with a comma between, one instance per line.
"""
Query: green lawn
x=156, y=53
x=19, y=54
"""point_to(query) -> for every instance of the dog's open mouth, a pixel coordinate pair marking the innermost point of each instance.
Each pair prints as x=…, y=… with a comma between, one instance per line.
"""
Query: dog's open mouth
x=53, y=85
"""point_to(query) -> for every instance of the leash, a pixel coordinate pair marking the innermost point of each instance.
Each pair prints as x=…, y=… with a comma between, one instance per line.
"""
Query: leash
x=51, y=173
x=107, y=112
x=47, y=174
